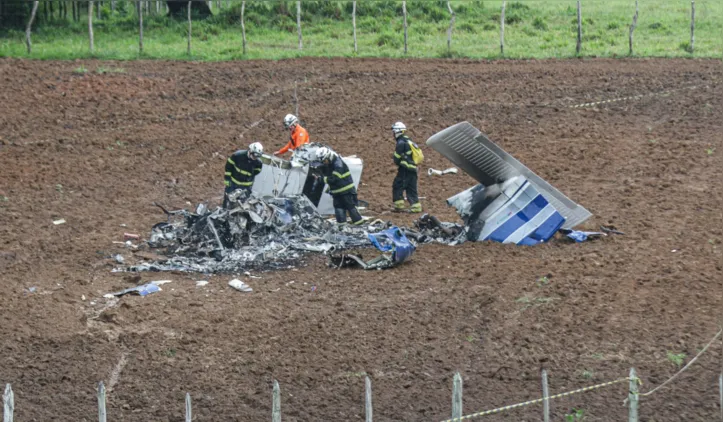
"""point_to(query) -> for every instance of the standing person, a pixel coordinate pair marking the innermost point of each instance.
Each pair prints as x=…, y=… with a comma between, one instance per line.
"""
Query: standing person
x=241, y=170
x=299, y=135
x=341, y=186
x=406, y=180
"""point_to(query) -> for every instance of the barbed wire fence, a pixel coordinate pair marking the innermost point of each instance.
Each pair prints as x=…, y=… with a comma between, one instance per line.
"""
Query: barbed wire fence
x=632, y=402
x=55, y=10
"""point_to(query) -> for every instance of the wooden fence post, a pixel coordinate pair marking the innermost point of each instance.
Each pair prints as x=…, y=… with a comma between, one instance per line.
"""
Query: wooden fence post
x=298, y=23
x=451, y=26
x=546, y=398
x=578, y=47
x=90, y=26
x=692, y=26
x=189, y=413
x=8, y=403
x=457, y=396
x=353, y=22
x=633, y=397
x=101, y=402
x=243, y=28
x=632, y=28
x=404, y=12
x=502, y=29
x=28, y=43
x=367, y=399
x=276, y=403
x=97, y=10
x=189, y=29
x=140, y=27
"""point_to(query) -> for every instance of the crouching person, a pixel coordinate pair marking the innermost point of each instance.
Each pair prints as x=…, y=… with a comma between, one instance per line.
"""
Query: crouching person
x=241, y=170
x=341, y=186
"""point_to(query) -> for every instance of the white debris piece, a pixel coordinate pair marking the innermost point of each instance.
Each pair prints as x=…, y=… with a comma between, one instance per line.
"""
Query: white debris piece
x=58, y=222
x=201, y=283
x=160, y=282
x=240, y=285
x=435, y=172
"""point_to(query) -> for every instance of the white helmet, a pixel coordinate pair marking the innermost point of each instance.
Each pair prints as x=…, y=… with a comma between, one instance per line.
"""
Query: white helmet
x=398, y=128
x=290, y=120
x=324, y=153
x=256, y=149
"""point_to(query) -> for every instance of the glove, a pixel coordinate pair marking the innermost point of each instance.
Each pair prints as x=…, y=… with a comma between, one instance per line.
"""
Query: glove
x=277, y=152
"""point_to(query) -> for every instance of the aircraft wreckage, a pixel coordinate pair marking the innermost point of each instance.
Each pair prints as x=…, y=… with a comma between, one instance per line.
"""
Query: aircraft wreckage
x=286, y=216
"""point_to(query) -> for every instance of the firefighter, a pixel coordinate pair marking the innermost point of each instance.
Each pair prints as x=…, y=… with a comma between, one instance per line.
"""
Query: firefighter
x=299, y=135
x=406, y=180
x=241, y=169
x=341, y=186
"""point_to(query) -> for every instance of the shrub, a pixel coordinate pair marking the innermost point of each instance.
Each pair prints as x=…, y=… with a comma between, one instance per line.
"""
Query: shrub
x=539, y=24
x=389, y=40
x=467, y=27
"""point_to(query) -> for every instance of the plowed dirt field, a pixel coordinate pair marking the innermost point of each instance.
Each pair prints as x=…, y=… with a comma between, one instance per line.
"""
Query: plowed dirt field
x=97, y=149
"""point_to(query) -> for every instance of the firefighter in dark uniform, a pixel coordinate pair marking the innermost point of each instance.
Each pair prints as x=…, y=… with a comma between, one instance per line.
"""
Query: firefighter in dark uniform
x=406, y=180
x=241, y=169
x=341, y=186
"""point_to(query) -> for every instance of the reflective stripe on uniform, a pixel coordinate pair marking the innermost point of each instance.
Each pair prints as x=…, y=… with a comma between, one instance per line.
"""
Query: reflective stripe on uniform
x=227, y=183
x=397, y=155
x=407, y=165
x=341, y=176
x=228, y=173
x=236, y=182
x=257, y=169
x=344, y=189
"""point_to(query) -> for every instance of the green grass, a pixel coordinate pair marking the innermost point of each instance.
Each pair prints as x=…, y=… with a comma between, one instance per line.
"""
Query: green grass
x=534, y=29
x=676, y=359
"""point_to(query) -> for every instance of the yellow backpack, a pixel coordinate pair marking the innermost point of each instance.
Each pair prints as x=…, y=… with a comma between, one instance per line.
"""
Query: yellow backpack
x=417, y=154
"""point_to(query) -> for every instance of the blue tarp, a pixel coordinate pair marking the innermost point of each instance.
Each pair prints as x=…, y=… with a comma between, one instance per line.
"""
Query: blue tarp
x=392, y=239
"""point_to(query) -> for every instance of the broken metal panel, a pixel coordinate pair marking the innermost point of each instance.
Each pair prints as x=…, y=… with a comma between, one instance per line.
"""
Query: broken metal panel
x=517, y=213
x=473, y=152
x=280, y=178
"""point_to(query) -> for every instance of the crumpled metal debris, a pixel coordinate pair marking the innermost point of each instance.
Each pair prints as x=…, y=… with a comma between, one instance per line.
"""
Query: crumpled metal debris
x=392, y=242
x=262, y=233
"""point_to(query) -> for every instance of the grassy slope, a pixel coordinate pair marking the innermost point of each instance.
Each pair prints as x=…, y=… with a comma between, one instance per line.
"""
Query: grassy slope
x=542, y=29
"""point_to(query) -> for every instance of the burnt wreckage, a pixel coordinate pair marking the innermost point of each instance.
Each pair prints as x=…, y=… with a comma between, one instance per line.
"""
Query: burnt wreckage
x=286, y=215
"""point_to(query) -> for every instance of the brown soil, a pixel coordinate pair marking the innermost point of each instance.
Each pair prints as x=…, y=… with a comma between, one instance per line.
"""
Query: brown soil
x=99, y=149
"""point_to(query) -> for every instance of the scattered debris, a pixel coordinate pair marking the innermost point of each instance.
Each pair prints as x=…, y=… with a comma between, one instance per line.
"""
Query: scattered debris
x=610, y=229
x=119, y=258
x=142, y=290
x=32, y=289
x=391, y=240
x=433, y=172
x=131, y=236
x=258, y=233
x=59, y=222
x=240, y=285
x=201, y=283
x=161, y=282
x=581, y=236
